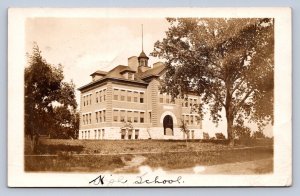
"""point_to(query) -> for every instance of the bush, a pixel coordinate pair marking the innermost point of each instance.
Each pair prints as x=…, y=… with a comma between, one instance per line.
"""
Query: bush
x=258, y=135
x=241, y=132
x=205, y=136
x=220, y=136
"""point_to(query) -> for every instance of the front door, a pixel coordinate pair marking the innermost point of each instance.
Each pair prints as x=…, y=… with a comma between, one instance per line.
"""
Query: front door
x=168, y=125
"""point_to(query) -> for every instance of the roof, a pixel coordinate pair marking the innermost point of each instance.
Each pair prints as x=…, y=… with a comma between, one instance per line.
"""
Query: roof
x=155, y=71
x=127, y=69
x=116, y=74
x=99, y=72
x=143, y=55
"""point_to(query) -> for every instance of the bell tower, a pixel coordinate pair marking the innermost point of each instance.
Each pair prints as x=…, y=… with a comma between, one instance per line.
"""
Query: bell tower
x=143, y=59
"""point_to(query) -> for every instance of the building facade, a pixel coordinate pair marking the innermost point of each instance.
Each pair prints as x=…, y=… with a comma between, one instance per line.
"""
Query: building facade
x=126, y=103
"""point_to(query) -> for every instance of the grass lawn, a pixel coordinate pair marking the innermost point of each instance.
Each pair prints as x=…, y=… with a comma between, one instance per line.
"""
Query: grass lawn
x=112, y=155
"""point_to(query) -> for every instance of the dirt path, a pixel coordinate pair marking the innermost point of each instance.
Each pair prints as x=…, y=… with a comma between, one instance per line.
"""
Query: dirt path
x=131, y=165
x=261, y=166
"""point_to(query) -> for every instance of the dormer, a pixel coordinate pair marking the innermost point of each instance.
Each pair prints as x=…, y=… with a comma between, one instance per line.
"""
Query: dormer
x=98, y=75
x=128, y=74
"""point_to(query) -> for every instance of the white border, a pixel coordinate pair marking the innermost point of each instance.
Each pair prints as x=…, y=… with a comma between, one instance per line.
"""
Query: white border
x=282, y=175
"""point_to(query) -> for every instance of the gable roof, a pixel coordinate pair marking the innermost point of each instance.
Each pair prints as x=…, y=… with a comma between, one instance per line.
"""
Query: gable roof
x=155, y=71
x=116, y=74
x=99, y=72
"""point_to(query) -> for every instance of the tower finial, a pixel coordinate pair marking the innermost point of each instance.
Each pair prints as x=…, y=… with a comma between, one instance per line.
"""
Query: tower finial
x=142, y=38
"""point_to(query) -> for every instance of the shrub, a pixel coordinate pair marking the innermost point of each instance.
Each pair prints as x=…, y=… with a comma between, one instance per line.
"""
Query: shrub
x=220, y=136
x=258, y=135
x=205, y=136
x=241, y=132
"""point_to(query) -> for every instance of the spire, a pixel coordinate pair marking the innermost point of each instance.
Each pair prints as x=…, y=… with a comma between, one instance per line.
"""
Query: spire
x=142, y=39
x=143, y=59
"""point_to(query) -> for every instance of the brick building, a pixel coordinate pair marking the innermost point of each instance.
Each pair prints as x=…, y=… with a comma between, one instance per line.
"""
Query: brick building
x=126, y=103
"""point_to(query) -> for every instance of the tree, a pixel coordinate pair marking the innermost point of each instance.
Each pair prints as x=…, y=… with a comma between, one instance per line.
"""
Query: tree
x=49, y=101
x=185, y=130
x=241, y=132
x=258, y=135
x=229, y=63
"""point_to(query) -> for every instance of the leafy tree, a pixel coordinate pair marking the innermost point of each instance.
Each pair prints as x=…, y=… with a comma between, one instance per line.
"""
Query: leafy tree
x=184, y=128
x=229, y=63
x=49, y=102
x=258, y=134
x=241, y=132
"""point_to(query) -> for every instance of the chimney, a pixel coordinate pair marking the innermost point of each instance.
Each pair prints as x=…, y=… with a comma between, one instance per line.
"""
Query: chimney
x=133, y=63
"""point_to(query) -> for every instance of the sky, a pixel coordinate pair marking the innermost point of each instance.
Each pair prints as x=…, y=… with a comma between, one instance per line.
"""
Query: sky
x=85, y=45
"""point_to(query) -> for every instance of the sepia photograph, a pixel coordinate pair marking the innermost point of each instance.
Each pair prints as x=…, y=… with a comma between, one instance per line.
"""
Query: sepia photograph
x=135, y=100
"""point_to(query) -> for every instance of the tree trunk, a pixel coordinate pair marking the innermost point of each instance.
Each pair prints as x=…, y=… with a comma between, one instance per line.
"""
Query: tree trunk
x=229, y=117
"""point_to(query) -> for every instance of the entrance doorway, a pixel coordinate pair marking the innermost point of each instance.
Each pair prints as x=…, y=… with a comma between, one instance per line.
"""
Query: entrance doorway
x=168, y=125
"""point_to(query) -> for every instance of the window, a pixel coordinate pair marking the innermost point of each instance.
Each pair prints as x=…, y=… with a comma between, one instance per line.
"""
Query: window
x=129, y=94
x=122, y=115
x=142, y=117
x=135, y=117
x=95, y=136
x=123, y=93
x=87, y=101
x=198, y=120
x=83, y=100
x=99, y=133
x=136, y=133
x=100, y=93
x=103, y=133
x=135, y=96
x=104, y=94
x=186, y=119
x=123, y=133
x=130, y=76
x=115, y=115
x=90, y=117
x=89, y=134
x=83, y=119
x=82, y=134
x=142, y=63
x=129, y=116
x=141, y=97
x=192, y=120
x=87, y=119
x=193, y=134
x=90, y=99
x=100, y=116
x=186, y=104
x=161, y=100
x=96, y=97
x=150, y=117
x=130, y=134
x=167, y=99
x=103, y=115
x=191, y=102
x=85, y=135
x=116, y=94
x=96, y=117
